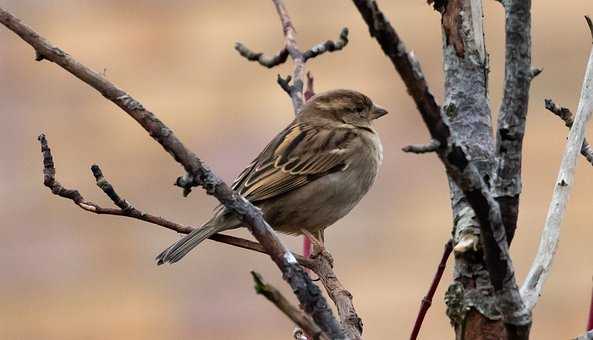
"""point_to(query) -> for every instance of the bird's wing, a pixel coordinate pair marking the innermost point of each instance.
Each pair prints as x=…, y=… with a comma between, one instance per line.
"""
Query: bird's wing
x=297, y=156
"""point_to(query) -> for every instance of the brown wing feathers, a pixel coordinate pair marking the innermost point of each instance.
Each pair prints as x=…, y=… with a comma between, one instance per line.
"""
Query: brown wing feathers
x=297, y=156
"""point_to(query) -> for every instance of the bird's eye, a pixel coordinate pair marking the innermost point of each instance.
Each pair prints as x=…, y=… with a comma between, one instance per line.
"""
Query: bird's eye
x=359, y=109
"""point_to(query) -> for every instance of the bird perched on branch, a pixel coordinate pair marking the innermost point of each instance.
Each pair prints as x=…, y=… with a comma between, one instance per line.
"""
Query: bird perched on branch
x=310, y=175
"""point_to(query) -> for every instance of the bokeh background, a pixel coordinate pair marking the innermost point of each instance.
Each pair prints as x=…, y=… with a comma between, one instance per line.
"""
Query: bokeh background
x=67, y=274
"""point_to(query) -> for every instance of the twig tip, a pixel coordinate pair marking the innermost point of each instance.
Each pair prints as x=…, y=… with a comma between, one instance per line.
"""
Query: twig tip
x=590, y=24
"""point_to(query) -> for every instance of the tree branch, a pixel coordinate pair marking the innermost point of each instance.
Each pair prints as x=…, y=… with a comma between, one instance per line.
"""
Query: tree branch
x=458, y=166
x=328, y=46
x=565, y=114
x=513, y=111
x=590, y=319
x=431, y=146
x=323, y=266
x=427, y=300
x=291, y=48
x=540, y=268
x=263, y=60
x=308, y=293
x=293, y=313
x=126, y=209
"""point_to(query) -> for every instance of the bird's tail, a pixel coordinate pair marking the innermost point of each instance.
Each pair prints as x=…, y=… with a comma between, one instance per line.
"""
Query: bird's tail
x=180, y=248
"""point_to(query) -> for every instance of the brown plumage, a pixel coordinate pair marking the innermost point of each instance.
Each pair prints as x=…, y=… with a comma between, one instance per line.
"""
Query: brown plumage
x=310, y=175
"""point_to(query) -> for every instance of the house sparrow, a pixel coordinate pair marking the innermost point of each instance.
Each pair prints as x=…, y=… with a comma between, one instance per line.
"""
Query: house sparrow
x=308, y=177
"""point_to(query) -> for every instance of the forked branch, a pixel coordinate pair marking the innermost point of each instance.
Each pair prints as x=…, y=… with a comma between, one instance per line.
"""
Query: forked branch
x=291, y=48
x=126, y=209
x=457, y=165
x=540, y=268
x=566, y=116
x=306, y=291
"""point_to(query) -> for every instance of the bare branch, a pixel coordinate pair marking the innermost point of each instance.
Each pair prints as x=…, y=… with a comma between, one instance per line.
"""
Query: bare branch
x=513, y=111
x=263, y=60
x=431, y=146
x=126, y=209
x=293, y=313
x=590, y=24
x=323, y=265
x=296, y=89
x=328, y=46
x=291, y=48
x=540, y=268
x=307, y=292
x=565, y=114
x=458, y=166
x=590, y=320
x=427, y=300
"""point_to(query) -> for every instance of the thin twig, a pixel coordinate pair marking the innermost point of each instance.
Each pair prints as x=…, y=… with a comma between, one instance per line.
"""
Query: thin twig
x=540, y=268
x=306, y=291
x=293, y=313
x=126, y=209
x=431, y=146
x=263, y=60
x=427, y=300
x=590, y=24
x=328, y=46
x=323, y=266
x=590, y=320
x=282, y=56
x=291, y=48
x=565, y=114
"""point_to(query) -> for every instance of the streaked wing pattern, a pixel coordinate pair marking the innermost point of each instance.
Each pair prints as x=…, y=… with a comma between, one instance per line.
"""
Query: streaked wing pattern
x=297, y=156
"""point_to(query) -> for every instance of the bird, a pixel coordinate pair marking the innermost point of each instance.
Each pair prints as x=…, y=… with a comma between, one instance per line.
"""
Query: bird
x=310, y=175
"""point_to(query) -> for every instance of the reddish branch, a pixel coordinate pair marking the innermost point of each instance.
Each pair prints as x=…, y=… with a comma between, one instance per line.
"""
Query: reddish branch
x=427, y=300
x=590, y=321
x=306, y=291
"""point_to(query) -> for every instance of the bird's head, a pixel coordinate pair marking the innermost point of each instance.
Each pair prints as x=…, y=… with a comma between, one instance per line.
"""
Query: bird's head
x=342, y=106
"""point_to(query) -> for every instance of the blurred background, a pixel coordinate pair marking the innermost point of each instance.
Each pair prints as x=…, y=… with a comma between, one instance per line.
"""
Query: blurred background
x=67, y=274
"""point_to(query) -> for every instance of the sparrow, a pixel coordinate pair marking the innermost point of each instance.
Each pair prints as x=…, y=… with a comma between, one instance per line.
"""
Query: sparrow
x=310, y=175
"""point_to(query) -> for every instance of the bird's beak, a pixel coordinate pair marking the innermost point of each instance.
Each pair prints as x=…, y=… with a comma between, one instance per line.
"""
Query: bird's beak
x=377, y=112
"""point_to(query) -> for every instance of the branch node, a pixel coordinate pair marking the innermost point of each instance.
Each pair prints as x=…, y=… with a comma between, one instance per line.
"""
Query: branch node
x=534, y=72
x=39, y=56
x=431, y=146
x=285, y=83
x=186, y=182
x=328, y=46
x=269, y=62
x=590, y=24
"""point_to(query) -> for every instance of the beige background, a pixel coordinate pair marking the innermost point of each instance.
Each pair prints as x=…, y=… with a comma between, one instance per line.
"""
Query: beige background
x=66, y=274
